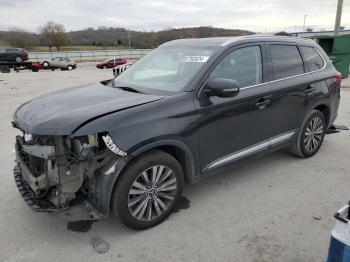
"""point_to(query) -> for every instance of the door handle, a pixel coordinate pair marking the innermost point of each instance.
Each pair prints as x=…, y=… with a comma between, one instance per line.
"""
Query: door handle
x=262, y=103
x=309, y=90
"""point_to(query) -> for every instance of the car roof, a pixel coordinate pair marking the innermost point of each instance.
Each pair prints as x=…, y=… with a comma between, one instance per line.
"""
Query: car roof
x=226, y=41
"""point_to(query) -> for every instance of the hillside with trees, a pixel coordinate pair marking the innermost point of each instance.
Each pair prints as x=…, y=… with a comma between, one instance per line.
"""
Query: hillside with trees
x=54, y=35
x=110, y=36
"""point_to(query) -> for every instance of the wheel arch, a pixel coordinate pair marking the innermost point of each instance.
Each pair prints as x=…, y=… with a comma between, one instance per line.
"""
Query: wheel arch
x=325, y=110
x=179, y=150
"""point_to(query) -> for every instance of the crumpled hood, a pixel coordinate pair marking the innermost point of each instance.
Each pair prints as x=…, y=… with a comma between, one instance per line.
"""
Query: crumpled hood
x=62, y=112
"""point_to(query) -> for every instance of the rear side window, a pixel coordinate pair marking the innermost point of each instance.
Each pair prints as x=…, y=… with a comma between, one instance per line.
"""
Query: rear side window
x=243, y=65
x=286, y=61
x=313, y=59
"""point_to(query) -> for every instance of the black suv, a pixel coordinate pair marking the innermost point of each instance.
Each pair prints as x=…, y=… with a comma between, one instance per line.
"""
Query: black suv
x=13, y=54
x=181, y=113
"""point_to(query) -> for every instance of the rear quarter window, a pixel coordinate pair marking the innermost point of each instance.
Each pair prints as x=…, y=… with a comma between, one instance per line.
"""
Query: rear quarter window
x=286, y=61
x=312, y=58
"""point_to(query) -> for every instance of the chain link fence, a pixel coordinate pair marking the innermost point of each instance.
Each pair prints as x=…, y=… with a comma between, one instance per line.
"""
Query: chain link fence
x=91, y=55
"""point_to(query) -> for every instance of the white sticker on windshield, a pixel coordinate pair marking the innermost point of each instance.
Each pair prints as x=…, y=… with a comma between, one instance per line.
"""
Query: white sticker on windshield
x=195, y=59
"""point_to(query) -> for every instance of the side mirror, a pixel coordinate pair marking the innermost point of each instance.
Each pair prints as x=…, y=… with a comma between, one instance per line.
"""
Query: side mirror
x=221, y=87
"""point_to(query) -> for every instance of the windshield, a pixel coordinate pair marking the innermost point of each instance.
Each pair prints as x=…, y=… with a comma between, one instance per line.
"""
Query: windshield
x=165, y=69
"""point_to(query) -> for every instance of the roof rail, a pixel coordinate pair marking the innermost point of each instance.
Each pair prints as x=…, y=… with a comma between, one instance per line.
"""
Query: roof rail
x=278, y=33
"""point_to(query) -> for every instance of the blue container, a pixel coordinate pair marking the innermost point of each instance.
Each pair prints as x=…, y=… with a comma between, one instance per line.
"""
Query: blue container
x=339, y=247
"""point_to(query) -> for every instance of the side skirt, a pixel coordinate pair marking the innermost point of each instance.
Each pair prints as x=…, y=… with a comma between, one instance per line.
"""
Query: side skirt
x=252, y=150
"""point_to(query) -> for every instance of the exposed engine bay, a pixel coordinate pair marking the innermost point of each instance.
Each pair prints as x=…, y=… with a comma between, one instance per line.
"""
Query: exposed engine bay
x=55, y=172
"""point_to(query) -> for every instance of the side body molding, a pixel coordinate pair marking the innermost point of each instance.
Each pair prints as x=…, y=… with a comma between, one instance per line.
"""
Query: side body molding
x=257, y=148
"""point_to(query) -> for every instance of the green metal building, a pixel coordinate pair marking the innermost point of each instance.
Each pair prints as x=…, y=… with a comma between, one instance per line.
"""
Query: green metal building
x=338, y=50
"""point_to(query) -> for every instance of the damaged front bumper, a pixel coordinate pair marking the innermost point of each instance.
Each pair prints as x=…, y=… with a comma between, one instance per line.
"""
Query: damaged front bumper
x=71, y=192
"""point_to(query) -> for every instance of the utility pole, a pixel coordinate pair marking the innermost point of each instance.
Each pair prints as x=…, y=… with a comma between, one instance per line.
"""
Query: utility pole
x=338, y=17
x=304, y=23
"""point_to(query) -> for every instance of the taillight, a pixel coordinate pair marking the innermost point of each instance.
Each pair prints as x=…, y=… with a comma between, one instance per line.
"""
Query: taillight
x=23, y=50
x=337, y=77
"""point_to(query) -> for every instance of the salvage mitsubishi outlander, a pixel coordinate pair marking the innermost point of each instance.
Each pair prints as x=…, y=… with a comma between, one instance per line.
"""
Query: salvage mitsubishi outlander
x=185, y=111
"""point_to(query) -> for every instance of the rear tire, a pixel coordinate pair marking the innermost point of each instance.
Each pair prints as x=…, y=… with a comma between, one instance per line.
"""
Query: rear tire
x=45, y=64
x=310, y=136
x=69, y=68
x=148, y=190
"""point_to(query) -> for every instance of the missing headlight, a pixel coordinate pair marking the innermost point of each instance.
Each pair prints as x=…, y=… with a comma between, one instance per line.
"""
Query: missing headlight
x=85, y=145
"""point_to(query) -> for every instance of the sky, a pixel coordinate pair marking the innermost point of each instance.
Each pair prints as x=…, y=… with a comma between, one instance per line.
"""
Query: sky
x=147, y=15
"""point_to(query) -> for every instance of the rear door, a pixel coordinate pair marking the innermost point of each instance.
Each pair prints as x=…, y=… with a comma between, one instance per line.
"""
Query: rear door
x=7, y=55
x=324, y=78
x=12, y=54
x=118, y=61
x=58, y=62
x=54, y=62
x=62, y=62
x=291, y=87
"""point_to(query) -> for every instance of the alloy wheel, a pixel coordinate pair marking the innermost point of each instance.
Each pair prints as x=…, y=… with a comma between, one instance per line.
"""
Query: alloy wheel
x=152, y=193
x=313, y=134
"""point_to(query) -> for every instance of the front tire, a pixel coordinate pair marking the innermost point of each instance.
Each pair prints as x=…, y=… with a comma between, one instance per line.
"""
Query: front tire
x=148, y=190
x=69, y=68
x=310, y=136
x=45, y=64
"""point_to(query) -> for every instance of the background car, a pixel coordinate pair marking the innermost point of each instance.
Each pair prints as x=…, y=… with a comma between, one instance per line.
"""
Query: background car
x=60, y=62
x=110, y=63
x=13, y=54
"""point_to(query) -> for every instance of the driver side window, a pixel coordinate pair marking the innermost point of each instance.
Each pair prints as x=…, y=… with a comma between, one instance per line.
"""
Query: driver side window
x=243, y=65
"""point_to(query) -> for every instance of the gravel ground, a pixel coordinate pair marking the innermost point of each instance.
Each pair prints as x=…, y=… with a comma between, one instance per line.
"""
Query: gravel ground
x=274, y=208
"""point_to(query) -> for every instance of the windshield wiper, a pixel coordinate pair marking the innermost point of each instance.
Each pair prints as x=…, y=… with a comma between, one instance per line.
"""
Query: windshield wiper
x=130, y=89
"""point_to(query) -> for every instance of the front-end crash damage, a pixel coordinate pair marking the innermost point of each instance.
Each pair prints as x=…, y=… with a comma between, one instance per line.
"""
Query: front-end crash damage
x=55, y=173
x=62, y=164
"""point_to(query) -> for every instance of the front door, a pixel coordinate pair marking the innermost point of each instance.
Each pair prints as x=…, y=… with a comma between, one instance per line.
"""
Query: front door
x=2, y=54
x=235, y=127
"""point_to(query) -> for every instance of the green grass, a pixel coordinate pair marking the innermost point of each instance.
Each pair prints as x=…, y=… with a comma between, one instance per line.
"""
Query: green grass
x=75, y=48
x=71, y=48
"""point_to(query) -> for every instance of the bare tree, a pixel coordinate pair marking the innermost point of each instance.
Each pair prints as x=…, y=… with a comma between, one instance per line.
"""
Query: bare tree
x=54, y=35
x=20, y=38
